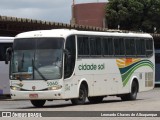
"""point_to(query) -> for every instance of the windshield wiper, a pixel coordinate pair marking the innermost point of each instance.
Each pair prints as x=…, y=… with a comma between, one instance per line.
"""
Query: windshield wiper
x=22, y=61
x=35, y=68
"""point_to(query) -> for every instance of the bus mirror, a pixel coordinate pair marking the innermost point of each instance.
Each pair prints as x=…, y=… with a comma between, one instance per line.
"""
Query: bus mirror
x=67, y=53
x=8, y=55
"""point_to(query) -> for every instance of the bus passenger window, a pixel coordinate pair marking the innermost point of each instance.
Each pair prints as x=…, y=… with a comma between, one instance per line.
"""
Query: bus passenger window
x=107, y=46
x=140, y=47
x=130, y=47
x=95, y=46
x=3, y=47
x=119, y=46
x=83, y=46
x=149, y=47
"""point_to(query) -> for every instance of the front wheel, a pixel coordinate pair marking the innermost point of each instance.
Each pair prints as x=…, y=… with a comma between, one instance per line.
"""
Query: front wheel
x=38, y=103
x=82, y=96
x=133, y=94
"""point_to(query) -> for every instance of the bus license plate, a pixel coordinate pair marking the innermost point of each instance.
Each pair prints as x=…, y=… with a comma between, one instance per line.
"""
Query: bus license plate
x=33, y=96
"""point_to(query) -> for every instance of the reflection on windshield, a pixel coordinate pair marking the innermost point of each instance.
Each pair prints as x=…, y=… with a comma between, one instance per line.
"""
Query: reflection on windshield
x=21, y=63
x=38, y=64
x=49, y=63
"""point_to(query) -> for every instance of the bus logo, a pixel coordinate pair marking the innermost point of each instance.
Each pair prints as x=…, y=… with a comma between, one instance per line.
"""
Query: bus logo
x=91, y=66
x=33, y=87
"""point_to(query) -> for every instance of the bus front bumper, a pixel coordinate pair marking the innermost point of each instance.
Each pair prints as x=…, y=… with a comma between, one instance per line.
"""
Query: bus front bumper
x=37, y=95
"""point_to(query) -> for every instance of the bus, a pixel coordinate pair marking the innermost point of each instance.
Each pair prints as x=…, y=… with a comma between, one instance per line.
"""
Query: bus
x=5, y=42
x=75, y=65
x=157, y=67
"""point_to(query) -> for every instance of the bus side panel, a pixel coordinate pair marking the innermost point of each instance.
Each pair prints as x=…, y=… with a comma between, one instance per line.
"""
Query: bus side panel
x=5, y=42
x=104, y=76
x=72, y=85
x=4, y=79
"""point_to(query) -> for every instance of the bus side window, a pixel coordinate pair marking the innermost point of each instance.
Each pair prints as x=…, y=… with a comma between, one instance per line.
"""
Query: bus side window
x=119, y=47
x=149, y=47
x=140, y=47
x=83, y=46
x=130, y=47
x=95, y=46
x=3, y=47
x=108, y=49
x=70, y=61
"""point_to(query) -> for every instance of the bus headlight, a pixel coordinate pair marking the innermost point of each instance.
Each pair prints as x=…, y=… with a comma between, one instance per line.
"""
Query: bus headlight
x=55, y=87
x=15, y=88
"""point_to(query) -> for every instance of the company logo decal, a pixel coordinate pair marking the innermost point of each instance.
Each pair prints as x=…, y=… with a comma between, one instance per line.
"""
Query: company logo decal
x=129, y=65
x=91, y=66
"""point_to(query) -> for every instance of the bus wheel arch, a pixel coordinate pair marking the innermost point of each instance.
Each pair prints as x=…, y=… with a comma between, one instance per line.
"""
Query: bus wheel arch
x=86, y=85
x=134, y=89
x=83, y=94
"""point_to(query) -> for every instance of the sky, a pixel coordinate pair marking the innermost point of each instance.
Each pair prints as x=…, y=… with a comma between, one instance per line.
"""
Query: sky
x=47, y=10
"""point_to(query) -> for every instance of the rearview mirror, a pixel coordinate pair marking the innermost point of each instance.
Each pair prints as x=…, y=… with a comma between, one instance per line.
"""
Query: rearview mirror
x=8, y=55
x=67, y=53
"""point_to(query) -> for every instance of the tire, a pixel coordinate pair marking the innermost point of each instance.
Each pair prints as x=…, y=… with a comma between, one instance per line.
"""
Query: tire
x=82, y=96
x=98, y=99
x=38, y=103
x=133, y=94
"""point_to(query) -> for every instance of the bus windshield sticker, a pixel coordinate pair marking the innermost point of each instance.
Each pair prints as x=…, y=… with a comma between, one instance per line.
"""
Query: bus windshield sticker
x=30, y=69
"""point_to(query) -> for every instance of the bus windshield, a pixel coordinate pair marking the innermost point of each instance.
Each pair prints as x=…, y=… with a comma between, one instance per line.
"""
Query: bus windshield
x=37, y=59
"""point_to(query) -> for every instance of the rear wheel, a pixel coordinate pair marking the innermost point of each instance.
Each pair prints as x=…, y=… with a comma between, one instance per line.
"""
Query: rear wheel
x=82, y=96
x=95, y=99
x=133, y=94
x=38, y=103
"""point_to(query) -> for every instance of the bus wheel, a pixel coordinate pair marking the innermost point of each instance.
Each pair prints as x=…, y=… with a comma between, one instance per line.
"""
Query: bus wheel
x=38, y=103
x=82, y=96
x=95, y=99
x=133, y=94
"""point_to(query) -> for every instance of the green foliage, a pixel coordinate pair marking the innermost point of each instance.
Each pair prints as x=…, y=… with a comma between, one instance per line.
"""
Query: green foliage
x=136, y=15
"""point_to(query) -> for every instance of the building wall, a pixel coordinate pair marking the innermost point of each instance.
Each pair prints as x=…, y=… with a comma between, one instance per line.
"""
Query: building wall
x=90, y=14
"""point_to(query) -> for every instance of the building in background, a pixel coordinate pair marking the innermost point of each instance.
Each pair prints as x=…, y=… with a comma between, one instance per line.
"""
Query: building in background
x=89, y=14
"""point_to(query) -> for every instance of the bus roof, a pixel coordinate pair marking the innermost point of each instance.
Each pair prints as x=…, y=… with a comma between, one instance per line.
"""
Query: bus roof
x=4, y=39
x=66, y=32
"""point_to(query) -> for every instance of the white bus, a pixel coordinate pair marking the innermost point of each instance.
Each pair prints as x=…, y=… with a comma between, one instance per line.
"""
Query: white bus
x=157, y=67
x=75, y=65
x=5, y=42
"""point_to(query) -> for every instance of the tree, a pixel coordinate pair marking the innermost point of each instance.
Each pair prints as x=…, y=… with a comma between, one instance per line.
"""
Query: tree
x=135, y=15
